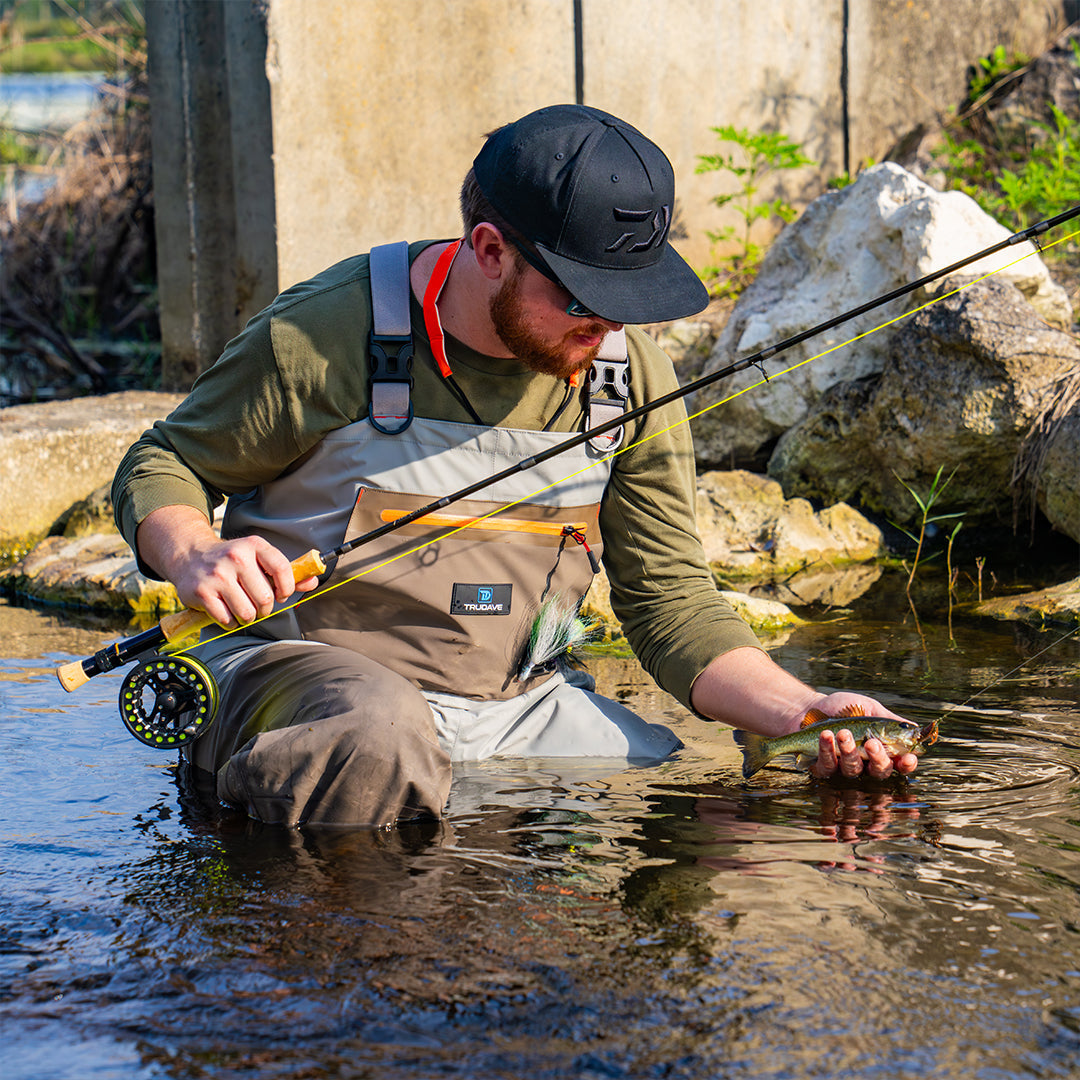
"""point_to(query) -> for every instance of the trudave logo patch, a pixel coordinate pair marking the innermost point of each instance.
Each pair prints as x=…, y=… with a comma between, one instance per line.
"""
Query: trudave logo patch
x=468, y=599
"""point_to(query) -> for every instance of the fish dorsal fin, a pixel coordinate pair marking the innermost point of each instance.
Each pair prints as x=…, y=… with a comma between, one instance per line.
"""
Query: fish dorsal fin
x=815, y=716
x=852, y=710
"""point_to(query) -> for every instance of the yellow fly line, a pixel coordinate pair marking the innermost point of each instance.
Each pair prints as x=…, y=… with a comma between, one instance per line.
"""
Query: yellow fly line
x=473, y=521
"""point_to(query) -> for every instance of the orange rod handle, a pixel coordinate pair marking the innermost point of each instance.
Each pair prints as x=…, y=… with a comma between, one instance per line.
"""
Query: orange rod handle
x=185, y=622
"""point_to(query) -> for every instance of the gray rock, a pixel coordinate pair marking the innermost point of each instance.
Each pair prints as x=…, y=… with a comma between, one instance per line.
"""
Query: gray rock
x=1046, y=473
x=849, y=246
x=52, y=455
x=962, y=383
x=1058, y=481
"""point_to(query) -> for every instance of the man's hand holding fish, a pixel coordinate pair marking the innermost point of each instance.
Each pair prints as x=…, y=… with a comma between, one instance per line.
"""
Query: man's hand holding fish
x=843, y=732
x=838, y=749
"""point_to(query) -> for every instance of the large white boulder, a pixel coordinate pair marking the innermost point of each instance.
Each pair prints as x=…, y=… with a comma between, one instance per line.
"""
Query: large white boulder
x=850, y=246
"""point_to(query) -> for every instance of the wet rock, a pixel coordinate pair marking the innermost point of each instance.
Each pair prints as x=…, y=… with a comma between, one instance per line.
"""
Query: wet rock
x=1058, y=605
x=96, y=571
x=963, y=381
x=766, y=617
x=849, y=246
x=55, y=453
x=750, y=530
x=94, y=514
x=821, y=585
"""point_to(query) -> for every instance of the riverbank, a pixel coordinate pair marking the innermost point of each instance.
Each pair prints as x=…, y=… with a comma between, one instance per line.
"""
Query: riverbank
x=778, y=560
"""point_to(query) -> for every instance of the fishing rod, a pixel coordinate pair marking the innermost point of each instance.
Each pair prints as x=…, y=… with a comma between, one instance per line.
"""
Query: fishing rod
x=183, y=685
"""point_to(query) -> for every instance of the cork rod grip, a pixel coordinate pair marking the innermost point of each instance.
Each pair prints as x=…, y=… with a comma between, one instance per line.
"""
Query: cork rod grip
x=185, y=622
x=189, y=620
x=72, y=675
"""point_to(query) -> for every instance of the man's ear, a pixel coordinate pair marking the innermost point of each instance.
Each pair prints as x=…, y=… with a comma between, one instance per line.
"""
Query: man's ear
x=494, y=254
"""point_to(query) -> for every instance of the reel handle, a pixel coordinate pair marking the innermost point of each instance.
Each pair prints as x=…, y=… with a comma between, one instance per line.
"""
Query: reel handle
x=179, y=625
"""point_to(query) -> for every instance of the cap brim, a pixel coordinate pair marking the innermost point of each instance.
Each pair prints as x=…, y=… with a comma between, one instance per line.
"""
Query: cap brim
x=666, y=289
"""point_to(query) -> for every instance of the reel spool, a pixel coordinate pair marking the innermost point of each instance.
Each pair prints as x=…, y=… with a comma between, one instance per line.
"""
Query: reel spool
x=168, y=701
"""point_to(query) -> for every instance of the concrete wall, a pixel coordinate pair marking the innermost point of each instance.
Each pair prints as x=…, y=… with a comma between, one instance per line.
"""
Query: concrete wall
x=377, y=109
x=213, y=176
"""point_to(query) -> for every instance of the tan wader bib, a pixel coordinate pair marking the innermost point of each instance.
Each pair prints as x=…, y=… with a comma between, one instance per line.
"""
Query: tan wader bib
x=351, y=706
x=448, y=601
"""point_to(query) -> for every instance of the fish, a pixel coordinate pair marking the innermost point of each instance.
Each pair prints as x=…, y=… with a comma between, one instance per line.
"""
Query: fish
x=897, y=736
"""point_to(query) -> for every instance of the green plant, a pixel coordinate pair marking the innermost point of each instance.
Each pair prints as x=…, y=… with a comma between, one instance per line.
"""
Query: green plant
x=758, y=154
x=1049, y=180
x=1044, y=181
x=1017, y=173
x=991, y=69
x=926, y=518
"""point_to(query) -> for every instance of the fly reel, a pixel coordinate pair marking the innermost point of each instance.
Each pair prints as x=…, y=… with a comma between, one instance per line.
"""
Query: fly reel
x=168, y=701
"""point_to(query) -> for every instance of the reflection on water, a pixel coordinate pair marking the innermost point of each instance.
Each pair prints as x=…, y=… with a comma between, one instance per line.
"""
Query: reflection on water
x=566, y=919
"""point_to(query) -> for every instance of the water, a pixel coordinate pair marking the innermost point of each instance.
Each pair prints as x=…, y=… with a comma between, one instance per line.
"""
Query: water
x=564, y=921
x=56, y=101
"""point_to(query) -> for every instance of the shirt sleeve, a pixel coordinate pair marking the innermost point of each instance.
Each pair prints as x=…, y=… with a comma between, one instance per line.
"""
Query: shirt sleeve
x=294, y=373
x=662, y=589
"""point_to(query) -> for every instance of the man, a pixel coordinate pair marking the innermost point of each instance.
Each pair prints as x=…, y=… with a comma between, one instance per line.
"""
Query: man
x=351, y=705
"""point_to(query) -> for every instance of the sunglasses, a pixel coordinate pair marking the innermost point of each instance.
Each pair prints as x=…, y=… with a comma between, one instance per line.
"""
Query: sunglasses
x=575, y=307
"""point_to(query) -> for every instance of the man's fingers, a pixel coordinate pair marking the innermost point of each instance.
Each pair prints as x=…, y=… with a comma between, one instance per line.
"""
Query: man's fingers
x=906, y=764
x=851, y=761
x=278, y=571
x=240, y=579
x=880, y=764
x=840, y=753
x=825, y=764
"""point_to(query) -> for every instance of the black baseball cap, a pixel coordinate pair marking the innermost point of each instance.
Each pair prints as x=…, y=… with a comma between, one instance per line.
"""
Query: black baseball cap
x=595, y=197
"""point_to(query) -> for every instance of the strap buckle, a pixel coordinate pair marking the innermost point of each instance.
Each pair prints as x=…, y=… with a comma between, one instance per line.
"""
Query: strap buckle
x=390, y=407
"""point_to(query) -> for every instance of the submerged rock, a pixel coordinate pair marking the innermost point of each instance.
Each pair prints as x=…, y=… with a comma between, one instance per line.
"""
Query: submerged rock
x=1058, y=605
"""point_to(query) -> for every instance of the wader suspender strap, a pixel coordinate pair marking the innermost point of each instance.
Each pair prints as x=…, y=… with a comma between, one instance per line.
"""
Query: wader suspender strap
x=390, y=348
x=609, y=390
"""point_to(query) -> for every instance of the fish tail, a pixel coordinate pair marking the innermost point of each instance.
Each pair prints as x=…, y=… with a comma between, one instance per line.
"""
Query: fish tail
x=755, y=753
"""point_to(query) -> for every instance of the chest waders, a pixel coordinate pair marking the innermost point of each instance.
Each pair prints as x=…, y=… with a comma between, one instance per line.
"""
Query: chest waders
x=447, y=600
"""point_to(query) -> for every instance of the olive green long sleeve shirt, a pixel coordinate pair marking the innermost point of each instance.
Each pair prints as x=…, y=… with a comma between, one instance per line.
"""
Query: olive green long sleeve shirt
x=299, y=369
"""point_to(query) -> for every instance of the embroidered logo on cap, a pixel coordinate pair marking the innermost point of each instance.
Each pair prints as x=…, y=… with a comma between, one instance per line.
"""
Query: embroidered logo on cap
x=468, y=599
x=661, y=220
